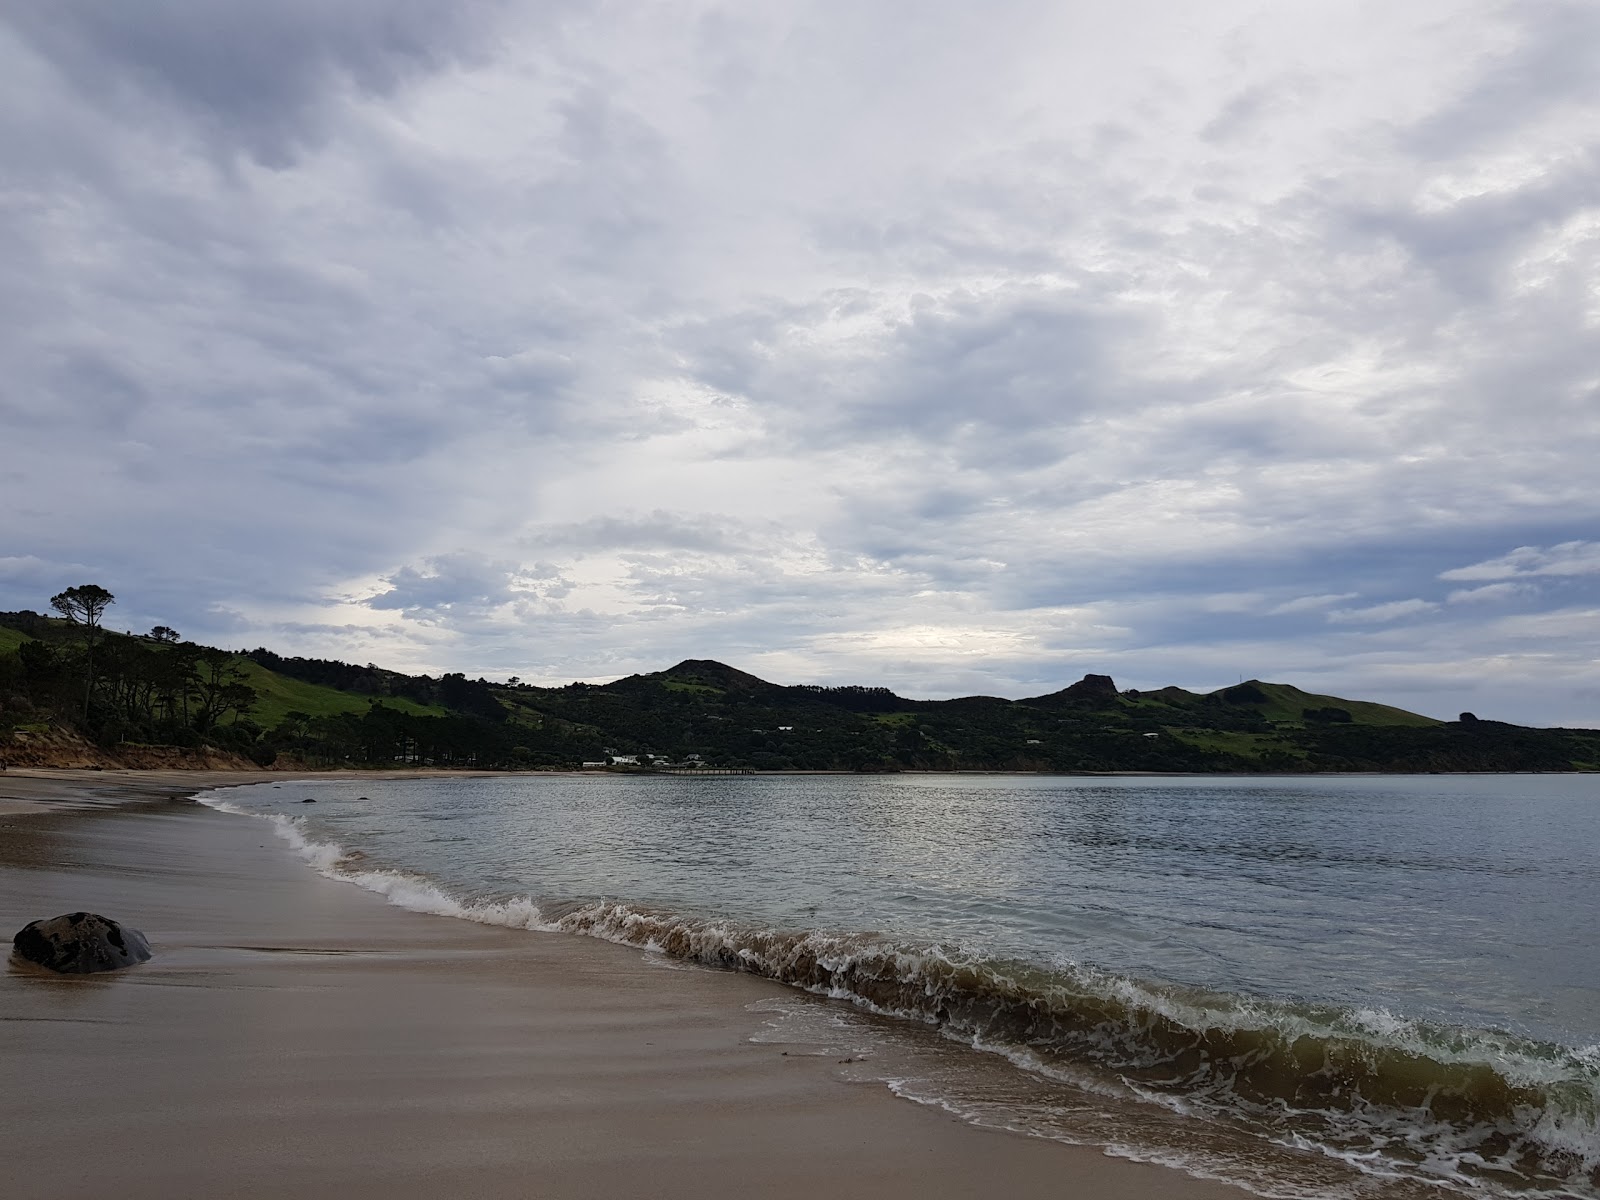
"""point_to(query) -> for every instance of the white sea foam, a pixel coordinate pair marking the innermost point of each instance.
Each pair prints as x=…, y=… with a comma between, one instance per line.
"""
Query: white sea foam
x=412, y=892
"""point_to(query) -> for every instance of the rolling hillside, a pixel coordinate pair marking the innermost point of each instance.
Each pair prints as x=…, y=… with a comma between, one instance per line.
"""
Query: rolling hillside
x=278, y=695
x=723, y=715
x=1288, y=705
x=154, y=691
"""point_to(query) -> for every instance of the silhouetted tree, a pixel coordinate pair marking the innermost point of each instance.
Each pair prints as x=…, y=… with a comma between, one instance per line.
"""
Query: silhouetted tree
x=84, y=606
x=220, y=688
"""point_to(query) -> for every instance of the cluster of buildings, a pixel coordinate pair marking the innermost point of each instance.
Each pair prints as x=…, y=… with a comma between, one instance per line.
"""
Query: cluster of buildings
x=613, y=759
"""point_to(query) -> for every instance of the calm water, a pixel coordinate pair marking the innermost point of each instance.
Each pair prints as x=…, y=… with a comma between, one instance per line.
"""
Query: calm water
x=1331, y=986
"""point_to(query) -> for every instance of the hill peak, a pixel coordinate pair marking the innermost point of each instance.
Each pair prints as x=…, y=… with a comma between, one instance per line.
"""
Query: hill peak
x=1092, y=689
x=710, y=671
x=1288, y=703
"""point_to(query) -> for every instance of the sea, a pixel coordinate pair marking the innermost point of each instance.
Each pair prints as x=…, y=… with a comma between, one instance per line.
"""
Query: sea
x=1313, y=987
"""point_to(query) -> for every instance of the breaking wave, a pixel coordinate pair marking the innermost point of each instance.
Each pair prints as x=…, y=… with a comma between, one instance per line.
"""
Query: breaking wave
x=1476, y=1111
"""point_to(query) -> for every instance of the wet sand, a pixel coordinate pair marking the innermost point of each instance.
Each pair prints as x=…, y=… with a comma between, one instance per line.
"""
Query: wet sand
x=296, y=1036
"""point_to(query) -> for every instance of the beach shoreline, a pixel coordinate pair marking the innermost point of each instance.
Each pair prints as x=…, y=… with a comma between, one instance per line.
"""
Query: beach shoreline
x=295, y=1035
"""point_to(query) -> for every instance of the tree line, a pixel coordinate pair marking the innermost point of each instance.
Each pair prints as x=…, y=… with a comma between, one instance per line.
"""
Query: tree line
x=153, y=688
x=160, y=689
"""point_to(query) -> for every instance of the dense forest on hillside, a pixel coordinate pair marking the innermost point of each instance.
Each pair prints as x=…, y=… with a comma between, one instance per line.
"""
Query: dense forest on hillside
x=67, y=675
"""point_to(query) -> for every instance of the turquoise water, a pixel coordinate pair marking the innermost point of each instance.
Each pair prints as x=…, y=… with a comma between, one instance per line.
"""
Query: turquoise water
x=1322, y=986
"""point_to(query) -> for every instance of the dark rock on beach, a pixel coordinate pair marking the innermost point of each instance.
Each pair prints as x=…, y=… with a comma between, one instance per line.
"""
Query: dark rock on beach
x=80, y=943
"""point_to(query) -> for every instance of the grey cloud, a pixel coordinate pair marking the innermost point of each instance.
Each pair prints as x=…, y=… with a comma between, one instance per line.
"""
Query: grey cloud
x=995, y=379
x=783, y=359
x=1246, y=109
x=1466, y=244
x=1374, y=614
x=252, y=77
x=90, y=388
x=1550, y=64
x=1490, y=593
x=655, y=530
x=1310, y=603
x=1568, y=558
x=462, y=584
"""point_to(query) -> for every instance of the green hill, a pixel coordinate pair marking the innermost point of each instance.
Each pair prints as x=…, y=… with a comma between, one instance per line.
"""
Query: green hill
x=278, y=695
x=1285, y=704
x=10, y=639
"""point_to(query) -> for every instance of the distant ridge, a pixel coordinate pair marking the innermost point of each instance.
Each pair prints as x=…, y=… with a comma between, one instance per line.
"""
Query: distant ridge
x=147, y=693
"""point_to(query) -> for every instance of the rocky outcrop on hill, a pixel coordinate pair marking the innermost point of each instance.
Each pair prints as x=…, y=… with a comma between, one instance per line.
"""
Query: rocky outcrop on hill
x=1094, y=690
x=1092, y=687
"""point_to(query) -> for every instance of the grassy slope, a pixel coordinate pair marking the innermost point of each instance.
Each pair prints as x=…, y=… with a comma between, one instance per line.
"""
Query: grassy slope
x=1284, y=706
x=1285, y=702
x=278, y=696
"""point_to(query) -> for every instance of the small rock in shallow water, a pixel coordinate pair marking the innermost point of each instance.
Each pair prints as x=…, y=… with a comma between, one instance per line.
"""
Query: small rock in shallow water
x=80, y=943
x=308, y=800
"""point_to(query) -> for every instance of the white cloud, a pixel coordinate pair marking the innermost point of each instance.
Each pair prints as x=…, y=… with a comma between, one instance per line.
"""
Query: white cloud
x=1489, y=593
x=23, y=566
x=1310, y=603
x=1380, y=613
x=1568, y=558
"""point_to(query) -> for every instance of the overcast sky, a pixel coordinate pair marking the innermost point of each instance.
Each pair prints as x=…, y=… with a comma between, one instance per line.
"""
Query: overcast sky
x=955, y=347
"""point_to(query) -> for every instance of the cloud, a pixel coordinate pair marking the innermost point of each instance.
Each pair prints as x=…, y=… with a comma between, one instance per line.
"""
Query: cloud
x=1489, y=593
x=1376, y=614
x=257, y=79
x=23, y=567
x=1568, y=558
x=1310, y=603
x=1545, y=66
x=657, y=530
x=464, y=584
x=565, y=340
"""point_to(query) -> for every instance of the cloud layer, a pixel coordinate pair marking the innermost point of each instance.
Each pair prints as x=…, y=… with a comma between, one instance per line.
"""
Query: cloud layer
x=964, y=353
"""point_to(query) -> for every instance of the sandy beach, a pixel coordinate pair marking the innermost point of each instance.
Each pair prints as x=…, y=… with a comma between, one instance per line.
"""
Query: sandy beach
x=296, y=1036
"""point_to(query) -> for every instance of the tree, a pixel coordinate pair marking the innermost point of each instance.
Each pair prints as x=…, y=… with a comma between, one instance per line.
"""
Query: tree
x=83, y=606
x=219, y=686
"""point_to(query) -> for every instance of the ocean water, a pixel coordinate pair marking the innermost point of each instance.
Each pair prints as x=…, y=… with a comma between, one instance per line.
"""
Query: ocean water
x=1314, y=987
